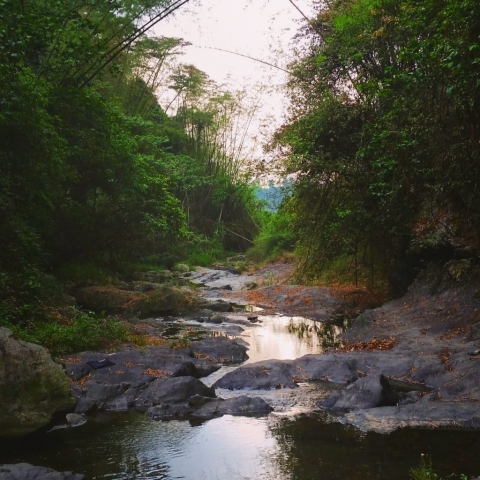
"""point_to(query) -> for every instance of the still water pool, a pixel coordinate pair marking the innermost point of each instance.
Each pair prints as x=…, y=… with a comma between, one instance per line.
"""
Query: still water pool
x=285, y=445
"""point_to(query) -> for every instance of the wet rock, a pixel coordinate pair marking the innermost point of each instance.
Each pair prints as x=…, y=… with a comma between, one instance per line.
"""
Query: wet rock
x=242, y=405
x=25, y=471
x=264, y=375
x=171, y=391
x=32, y=386
x=219, y=306
x=167, y=411
x=367, y=392
x=220, y=349
x=75, y=420
x=423, y=414
x=117, y=386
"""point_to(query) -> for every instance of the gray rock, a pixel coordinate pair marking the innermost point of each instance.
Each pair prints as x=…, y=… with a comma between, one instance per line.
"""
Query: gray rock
x=32, y=386
x=116, y=387
x=242, y=405
x=423, y=414
x=260, y=376
x=220, y=349
x=25, y=471
x=474, y=332
x=172, y=391
x=75, y=420
x=220, y=306
x=367, y=392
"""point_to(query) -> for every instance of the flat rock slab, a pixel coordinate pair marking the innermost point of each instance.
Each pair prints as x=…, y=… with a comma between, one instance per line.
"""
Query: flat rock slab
x=242, y=405
x=435, y=414
x=342, y=368
x=25, y=471
x=207, y=407
x=260, y=376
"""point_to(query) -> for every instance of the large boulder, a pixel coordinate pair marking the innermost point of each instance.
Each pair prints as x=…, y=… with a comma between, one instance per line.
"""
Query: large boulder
x=104, y=298
x=25, y=471
x=220, y=349
x=367, y=392
x=165, y=299
x=154, y=299
x=32, y=386
x=172, y=391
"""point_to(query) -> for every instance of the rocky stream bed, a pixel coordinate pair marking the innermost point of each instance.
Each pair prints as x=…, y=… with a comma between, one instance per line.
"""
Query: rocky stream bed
x=239, y=347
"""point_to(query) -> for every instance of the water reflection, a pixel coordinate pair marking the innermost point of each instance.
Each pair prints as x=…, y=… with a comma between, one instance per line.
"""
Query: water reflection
x=313, y=447
x=275, y=447
x=286, y=338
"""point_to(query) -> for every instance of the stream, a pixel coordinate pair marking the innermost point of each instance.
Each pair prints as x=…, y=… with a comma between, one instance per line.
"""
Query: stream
x=293, y=442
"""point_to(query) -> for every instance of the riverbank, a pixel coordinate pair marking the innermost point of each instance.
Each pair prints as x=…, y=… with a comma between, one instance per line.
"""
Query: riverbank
x=196, y=367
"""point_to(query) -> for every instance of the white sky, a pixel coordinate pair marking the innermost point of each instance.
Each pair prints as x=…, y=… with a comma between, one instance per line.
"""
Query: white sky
x=259, y=28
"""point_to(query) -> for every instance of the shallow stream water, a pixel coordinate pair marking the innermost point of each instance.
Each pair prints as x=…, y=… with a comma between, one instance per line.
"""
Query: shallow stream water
x=292, y=443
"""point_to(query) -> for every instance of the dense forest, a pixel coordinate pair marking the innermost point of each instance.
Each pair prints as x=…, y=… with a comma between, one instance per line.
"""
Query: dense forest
x=97, y=176
x=383, y=138
x=380, y=150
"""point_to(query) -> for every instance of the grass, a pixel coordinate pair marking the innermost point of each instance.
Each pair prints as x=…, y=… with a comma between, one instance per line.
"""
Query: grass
x=82, y=273
x=425, y=471
x=84, y=331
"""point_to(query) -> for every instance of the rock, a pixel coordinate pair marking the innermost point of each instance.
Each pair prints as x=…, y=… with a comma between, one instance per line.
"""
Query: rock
x=474, y=332
x=220, y=349
x=264, y=375
x=25, y=471
x=32, y=386
x=367, y=392
x=181, y=267
x=116, y=387
x=426, y=413
x=170, y=391
x=105, y=298
x=143, y=287
x=409, y=398
x=75, y=420
x=219, y=306
x=165, y=299
x=242, y=405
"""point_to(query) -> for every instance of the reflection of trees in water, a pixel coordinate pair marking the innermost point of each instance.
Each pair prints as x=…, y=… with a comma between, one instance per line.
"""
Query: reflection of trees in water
x=326, y=333
x=316, y=447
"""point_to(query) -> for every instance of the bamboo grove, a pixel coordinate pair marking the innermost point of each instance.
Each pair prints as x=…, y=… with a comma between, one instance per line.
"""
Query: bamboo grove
x=99, y=163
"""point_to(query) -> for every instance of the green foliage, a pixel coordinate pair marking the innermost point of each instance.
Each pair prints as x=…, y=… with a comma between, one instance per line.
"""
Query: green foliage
x=383, y=138
x=93, y=173
x=425, y=471
x=83, y=273
x=85, y=331
x=276, y=235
